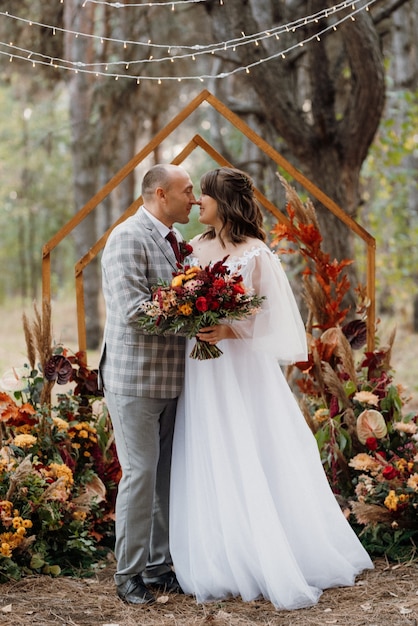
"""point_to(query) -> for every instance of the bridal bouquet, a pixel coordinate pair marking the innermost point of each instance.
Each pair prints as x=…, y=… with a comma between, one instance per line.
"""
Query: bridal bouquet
x=195, y=298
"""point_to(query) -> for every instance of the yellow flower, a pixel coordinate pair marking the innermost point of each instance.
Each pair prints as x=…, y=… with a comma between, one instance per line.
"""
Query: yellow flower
x=366, y=397
x=193, y=270
x=6, y=505
x=27, y=523
x=178, y=280
x=17, y=521
x=5, y=550
x=60, y=424
x=12, y=539
x=25, y=429
x=60, y=470
x=412, y=482
x=321, y=415
x=79, y=515
x=185, y=309
x=401, y=464
x=391, y=501
x=24, y=441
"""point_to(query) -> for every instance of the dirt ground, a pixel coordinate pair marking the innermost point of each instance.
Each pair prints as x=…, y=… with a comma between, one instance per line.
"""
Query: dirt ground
x=387, y=595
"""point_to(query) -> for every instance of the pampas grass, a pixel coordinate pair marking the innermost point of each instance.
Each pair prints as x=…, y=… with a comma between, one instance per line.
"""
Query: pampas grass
x=38, y=337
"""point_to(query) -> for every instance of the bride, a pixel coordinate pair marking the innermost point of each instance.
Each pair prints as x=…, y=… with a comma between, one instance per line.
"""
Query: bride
x=252, y=513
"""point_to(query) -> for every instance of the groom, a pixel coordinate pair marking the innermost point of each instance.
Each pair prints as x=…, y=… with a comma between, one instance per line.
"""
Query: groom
x=142, y=376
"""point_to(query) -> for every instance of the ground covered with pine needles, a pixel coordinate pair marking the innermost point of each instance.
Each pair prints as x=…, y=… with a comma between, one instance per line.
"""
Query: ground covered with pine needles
x=387, y=595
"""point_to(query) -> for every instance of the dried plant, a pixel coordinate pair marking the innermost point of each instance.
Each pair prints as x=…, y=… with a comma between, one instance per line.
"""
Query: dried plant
x=30, y=342
x=368, y=446
x=38, y=337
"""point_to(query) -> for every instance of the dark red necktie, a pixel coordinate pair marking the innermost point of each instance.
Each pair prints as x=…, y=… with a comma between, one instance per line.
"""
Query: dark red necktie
x=174, y=244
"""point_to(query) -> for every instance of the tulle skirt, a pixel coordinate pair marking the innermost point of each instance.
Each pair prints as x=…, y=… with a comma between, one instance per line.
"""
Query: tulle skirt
x=252, y=513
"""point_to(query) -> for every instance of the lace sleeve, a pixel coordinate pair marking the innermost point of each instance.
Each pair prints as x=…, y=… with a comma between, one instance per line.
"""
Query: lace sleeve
x=277, y=328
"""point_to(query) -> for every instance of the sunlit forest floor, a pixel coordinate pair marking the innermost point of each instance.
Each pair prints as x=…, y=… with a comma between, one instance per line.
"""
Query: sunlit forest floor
x=385, y=595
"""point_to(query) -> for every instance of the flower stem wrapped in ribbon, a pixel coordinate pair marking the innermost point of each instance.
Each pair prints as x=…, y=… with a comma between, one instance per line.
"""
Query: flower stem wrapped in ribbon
x=198, y=297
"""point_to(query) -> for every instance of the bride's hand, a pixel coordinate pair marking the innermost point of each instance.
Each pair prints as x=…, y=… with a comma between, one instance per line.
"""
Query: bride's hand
x=213, y=334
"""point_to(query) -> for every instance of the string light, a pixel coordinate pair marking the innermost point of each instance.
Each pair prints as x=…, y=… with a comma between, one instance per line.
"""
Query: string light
x=291, y=26
x=211, y=48
x=120, y=5
x=91, y=68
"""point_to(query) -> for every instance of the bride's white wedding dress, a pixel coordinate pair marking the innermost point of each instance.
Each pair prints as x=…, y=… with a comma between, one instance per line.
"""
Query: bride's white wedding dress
x=252, y=513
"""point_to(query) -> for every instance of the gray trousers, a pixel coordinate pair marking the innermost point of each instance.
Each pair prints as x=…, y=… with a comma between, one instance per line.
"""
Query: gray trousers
x=143, y=429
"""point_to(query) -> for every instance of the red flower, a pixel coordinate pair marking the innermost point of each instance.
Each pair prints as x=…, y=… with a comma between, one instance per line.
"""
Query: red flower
x=218, y=284
x=389, y=472
x=195, y=298
x=371, y=443
x=202, y=304
x=185, y=249
x=239, y=288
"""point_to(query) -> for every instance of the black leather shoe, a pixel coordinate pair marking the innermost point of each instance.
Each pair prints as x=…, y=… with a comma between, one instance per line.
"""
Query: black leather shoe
x=134, y=591
x=167, y=583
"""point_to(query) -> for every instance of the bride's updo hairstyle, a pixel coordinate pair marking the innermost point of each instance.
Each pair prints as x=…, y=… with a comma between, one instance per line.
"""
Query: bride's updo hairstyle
x=238, y=209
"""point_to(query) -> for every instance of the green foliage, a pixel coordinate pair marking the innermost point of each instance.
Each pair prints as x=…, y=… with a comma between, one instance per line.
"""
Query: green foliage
x=389, y=212
x=397, y=545
x=36, y=195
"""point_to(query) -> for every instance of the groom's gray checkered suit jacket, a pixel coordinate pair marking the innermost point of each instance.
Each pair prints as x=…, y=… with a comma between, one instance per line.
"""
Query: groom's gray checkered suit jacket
x=133, y=363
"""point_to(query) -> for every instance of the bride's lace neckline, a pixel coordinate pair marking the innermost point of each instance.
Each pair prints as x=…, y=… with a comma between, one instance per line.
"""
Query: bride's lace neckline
x=234, y=263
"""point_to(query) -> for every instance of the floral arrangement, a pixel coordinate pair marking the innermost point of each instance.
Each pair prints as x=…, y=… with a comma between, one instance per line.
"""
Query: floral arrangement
x=58, y=465
x=185, y=249
x=367, y=440
x=195, y=298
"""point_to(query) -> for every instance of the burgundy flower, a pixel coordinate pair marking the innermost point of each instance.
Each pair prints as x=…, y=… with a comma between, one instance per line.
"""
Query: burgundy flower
x=58, y=368
x=334, y=407
x=371, y=443
x=185, y=249
x=356, y=333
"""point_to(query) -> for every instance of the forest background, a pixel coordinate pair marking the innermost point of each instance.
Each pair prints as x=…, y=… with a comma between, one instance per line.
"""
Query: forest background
x=84, y=85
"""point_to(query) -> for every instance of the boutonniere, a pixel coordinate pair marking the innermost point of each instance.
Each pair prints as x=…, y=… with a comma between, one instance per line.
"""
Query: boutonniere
x=185, y=249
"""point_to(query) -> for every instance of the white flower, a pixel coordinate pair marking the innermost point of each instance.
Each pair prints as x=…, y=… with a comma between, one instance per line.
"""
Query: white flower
x=405, y=427
x=14, y=379
x=371, y=423
x=366, y=397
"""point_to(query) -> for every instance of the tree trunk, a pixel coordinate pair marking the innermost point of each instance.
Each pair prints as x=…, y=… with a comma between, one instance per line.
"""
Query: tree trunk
x=324, y=99
x=84, y=150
